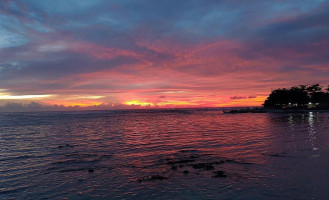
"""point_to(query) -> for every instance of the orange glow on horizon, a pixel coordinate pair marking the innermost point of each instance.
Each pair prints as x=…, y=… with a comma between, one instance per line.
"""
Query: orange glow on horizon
x=166, y=101
x=258, y=101
x=139, y=103
x=81, y=103
x=176, y=103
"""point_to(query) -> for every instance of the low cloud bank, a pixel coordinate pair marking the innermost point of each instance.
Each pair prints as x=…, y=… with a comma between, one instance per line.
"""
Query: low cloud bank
x=243, y=97
x=36, y=107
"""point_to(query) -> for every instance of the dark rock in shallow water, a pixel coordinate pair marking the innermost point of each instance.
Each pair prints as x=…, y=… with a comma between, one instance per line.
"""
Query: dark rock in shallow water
x=154, y=177
x=205, y=166
x=186, y=172
x=67, y=145
x=174, y=167
x=278, y=155
x=219, y=174
x=91, y=170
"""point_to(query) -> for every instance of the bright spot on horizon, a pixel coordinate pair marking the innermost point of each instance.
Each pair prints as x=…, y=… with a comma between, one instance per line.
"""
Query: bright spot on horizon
x=138, y=103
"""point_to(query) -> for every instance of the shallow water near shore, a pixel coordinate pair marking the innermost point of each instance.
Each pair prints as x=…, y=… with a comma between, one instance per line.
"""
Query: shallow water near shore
x=159, y=154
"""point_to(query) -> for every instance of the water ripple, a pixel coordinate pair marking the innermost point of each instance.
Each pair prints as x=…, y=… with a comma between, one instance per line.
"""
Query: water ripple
x=179, y=154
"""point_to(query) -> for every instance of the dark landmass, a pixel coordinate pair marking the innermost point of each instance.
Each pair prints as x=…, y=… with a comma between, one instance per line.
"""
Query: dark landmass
x=297, y=99
x=302, y=97
x=247, y=110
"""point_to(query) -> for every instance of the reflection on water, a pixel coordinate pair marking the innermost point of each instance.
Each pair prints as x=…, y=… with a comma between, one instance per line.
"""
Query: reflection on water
x=312, y=131
x=164, y=154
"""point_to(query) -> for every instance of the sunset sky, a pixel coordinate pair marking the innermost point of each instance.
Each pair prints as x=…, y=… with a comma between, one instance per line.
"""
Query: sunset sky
x=160, y=52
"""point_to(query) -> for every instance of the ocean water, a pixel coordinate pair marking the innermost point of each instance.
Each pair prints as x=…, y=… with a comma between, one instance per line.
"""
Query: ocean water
x=185, y=154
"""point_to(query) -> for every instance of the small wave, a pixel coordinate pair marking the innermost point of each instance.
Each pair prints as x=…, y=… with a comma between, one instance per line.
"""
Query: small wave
x=13, y=190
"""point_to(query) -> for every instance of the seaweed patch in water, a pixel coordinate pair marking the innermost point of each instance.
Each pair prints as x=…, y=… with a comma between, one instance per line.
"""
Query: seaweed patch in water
x=205, y=166
x=150, y=178
x=219, y=174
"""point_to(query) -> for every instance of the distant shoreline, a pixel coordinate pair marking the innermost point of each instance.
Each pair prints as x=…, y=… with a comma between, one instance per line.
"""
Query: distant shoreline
x=268, y=110
x=229, y=110
x=134, y=109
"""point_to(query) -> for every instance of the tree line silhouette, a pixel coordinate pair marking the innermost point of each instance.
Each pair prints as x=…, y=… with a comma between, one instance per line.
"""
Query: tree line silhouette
x=301, y=96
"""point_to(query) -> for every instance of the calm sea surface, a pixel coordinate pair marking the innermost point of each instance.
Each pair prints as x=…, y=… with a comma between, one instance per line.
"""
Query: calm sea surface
x=189, y=154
